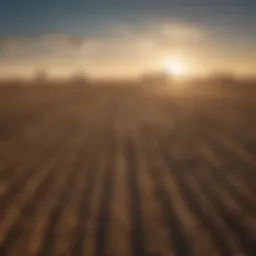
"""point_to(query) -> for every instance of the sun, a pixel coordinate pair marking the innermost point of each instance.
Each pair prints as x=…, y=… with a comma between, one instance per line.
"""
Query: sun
x=175, y=68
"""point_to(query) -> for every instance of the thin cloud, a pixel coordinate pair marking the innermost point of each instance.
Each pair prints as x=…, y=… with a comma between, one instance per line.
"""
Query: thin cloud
x=51, y=39
x=42, y=46
x=70, y=40
x=122, y=47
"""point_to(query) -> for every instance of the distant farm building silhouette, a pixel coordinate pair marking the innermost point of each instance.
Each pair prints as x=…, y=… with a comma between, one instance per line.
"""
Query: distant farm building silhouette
x=79, y=77
x=156, y=77
x=40, y=76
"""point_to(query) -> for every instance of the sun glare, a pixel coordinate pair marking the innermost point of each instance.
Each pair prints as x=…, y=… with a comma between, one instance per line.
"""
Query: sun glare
x=175, y=68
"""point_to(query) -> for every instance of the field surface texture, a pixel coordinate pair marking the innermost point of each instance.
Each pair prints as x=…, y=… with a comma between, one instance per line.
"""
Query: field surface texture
x=126, y=171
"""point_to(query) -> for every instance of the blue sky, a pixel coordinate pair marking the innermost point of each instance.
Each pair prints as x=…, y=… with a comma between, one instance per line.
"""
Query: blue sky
x=226, y=27
x=31, y=17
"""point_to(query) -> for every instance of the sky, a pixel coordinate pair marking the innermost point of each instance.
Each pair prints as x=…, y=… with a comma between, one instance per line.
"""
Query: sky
x=127, y=37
